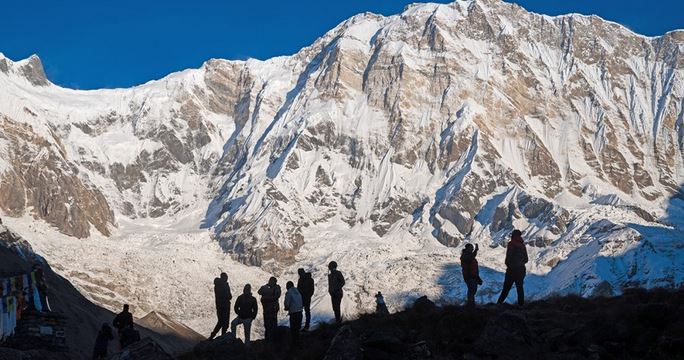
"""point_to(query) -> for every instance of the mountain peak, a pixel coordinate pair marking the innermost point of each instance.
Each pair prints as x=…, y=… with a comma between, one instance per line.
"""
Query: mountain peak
x=30, y=68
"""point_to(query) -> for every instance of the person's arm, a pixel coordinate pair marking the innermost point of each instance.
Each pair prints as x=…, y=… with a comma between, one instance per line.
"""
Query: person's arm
x=255, y=308
x=524, y=250
x=230, y=295
x=287, y=301
x=341, y=277
x=509, y=248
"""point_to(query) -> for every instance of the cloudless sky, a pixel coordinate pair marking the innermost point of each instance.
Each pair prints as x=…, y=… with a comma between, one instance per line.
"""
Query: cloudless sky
x=119, y=43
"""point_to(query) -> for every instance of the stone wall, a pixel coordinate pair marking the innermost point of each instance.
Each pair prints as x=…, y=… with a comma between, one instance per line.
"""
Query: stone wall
x=39, y=330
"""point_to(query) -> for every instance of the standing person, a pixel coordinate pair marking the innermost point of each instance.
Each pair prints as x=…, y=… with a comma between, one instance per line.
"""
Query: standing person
x=122, y=321
x=41, y=302
x=223, y=297
x=246, y=310
x=335, y=285
x=305, y=285
x=270, y=293
x=293, y=306
x=380, y=306
x=471, y=271
x=102, y=342
x=516, y=258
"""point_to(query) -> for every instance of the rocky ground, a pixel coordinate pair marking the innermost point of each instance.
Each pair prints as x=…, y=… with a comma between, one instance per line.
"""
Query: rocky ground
x=641, y=324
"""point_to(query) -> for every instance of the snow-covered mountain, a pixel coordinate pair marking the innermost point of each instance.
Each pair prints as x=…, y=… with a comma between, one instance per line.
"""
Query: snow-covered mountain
x=385, y=145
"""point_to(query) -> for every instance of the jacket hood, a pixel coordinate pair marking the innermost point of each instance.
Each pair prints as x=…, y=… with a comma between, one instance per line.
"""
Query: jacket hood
x=517, y=241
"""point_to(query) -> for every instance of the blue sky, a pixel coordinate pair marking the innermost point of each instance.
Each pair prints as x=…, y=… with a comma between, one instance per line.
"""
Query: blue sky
x=106, y=43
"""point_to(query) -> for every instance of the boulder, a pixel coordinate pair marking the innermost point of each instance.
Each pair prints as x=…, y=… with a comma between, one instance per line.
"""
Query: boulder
x=219, y=347
x=344, y=346
x=506, y=336
x=145, y=349
x=423, y=305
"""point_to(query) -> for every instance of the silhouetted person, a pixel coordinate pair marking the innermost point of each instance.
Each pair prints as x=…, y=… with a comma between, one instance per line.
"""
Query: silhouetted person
x=305, y=285
x=335, y=286
x=294, y=306
x=246, y=310
x=102, y=342
x=122, y=321
x=223, y=297
x=270, y=293
x=129, y=335
x=380, y=306
x=516, y=258
x=471, y=271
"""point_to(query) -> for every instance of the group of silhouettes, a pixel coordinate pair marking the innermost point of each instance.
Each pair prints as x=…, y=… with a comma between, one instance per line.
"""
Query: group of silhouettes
x=297, y=303
x=125, y=332
x=516, y=258
x=297, y=299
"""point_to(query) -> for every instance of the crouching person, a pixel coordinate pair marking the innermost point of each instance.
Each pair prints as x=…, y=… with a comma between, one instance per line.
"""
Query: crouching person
x=246, y=310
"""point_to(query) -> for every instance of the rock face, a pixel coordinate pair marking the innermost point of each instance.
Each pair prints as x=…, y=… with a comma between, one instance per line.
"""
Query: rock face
x=454, y=122
x=45, y=184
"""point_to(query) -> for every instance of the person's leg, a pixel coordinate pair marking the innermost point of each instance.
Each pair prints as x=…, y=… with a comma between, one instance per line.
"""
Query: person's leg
x=336, y=302
x=226, y=321
x=307, y=312
x=519, y=286
x=472, y=288
x=508, y=283
x=295, y=325
x=119, y=334
x=219, y=324
x=233, y=326
x=247, y=326
x=271, y=324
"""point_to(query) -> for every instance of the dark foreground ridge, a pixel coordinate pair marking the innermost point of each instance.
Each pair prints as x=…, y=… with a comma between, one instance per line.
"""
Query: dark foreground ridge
x=640, y=324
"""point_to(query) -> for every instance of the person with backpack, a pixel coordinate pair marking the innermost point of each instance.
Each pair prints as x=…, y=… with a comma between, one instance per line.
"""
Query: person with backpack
x=516, y=258
x=223, y=297
x=335, y=286
x=102, y=342
x=122, y=321
x=471, y=271
x=294, y=306
x=246, y=309
x=305, y=285
x=270, y=293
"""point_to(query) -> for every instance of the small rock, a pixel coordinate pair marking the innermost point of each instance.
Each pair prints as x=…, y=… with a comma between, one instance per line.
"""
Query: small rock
x=423, y=305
